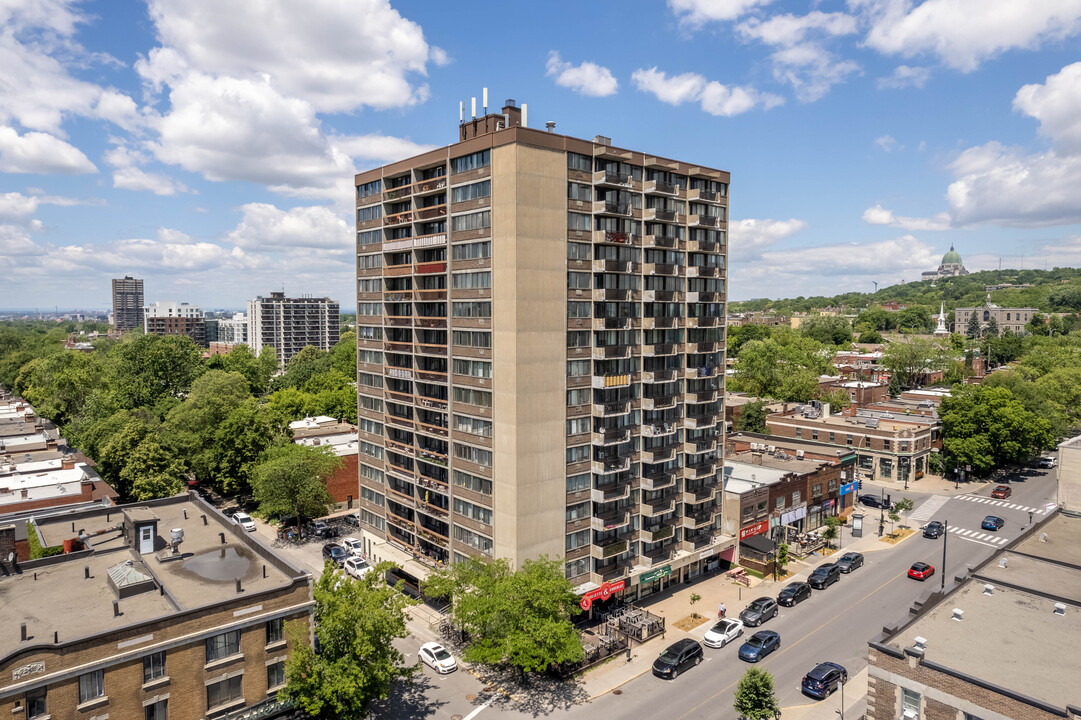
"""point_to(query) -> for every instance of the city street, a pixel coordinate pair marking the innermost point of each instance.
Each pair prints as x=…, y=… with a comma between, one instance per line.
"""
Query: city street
x=835, y=624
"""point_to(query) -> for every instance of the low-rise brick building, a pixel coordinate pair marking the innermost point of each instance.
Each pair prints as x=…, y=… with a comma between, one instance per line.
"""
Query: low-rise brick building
x=341, y=438
x=132, y=625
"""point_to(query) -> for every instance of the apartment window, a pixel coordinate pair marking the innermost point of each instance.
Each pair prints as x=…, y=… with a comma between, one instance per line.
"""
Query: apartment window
x=369, y=285
x=473, y=426
x=579, y=191
x=371, y=357
x=473, y=191
x=472, y=539
x=369, y=213
x=471, y=280
x=578, y=309
x=471, y=161
x=275, y=631
x=578, y=251
x=799, y=432
x=577, y=161
x=369, y=332
x=473, y=512
x=814, y=434
x=157, y=711
x=482, y=398
x=91, y=686
x=577, y=567
x=472, y=309
x=848, y=439
x=153, y=666
x=577, y=426
x=370, y=426
x=369, y=380
x=578, y=368
x=224, y=692
x=371, y=450
x=472, y=251
x=833, y=436
x=372, y=519
x=475, y=338
x=369, y=188
x=580, y=511
x=472, y=221
x=370, y=403
x=369, y=237
x=223, y=646
x=796, y=496
x=369, y=262
x=578, y=539
x=473, y=455
x=473, y=368
x=816, y=491
x=779, y=504
x=35, y=703
x=579, y=338
x=577, y=483
x=275, y=675
x=910, y=704
x=578, y=396
x=375, y=498
x=369, y=309
x=578, y=221
x=832, y=485
x=472, y=482
x=577, y=454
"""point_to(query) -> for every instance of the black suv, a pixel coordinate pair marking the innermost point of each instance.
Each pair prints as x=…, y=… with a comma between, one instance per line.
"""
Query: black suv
x=794, y=593
x=824, y=576
x=876, y=501
x=678, y=657
x=759, y=611
x=336, y=553
x=824, y=679
x=933, y=530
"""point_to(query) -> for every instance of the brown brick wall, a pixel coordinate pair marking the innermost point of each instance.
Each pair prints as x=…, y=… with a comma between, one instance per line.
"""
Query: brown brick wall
x=86, y=494
x=345, y=481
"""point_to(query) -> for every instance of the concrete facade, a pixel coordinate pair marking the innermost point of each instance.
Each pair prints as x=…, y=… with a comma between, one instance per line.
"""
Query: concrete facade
x=1012, y=319
x=290, y=324
x=127, y=303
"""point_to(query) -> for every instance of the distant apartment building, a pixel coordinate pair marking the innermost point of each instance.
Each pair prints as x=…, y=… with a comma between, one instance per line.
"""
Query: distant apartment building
x=541, y=345
x=291, y=324
x=1012, y=319
x=234, y=330
x=127, y=303
x=171, y=318
x=766, y=319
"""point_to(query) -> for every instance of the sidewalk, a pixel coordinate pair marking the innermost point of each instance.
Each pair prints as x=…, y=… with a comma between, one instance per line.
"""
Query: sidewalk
x=933, y=484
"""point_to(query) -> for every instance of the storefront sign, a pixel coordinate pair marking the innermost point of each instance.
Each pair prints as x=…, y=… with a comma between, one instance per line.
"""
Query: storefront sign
x=658, y=574
x=827, y=504
x=602, y=593
x=794, y=515
x=849, y=488
x=751, y=530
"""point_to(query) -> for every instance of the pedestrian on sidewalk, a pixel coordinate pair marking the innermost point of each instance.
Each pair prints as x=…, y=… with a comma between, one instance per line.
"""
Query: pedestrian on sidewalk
x=721, y=611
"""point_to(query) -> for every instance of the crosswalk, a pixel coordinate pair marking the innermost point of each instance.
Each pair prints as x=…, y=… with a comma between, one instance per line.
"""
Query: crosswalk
x=988, y=538
x=927, y=510
x=991, y=502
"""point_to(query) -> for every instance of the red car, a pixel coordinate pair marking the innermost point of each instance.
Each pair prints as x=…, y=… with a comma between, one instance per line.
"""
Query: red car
x=921, y=571
x=1001, y=492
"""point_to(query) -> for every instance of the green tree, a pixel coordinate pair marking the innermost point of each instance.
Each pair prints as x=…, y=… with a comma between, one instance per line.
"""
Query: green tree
x=242, y=359
x=58, y=385
x=118, y=451
x=756, y=698
x=291, y=480
x=827, y=329
x=191, y=426
x=152, y=472
x=740, y=334
x=986, y=427
x=973, y=330
x=785, y=367
x=904, y=506
x=519, y=617
x=782, y=557
x=991, y=329
x=356, y=624
x=289, y=404
x=911, y=360
x=838, y=399
x=343, y=356
x=832, y=531
x=239, y=442
x=147, y=368
x=871, y=337
x=915, y=319
x=302, y=366
x=895, y=388
x=752, y=417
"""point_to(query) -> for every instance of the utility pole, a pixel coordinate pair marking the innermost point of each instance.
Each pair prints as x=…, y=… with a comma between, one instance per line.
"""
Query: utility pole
x=945, y=534
x=841, y=712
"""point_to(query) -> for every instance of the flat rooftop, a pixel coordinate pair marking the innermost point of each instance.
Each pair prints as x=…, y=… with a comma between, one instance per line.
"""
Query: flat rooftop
x=44, y=597
x=785, y=463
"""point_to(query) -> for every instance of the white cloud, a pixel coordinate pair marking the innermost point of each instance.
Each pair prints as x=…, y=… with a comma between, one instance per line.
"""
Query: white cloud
x=860, y=258
x=146, y=255
x=904, y=76
x=788, y=30
x=1057, y=105
x=586, y=79
x=128, y=176
x=964, y=33
x=696, y=13
x=378, y=149
x=879, y=215
x=887, y=143
x=36, y=152
x=16, y=206
x=712, y=96
x=266, y=227
x=750, y=236
x=15, y=241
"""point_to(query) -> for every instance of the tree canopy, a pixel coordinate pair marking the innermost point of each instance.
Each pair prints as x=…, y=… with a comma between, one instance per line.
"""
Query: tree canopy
x=985, y=427
x=291, y=480
x=755, y=696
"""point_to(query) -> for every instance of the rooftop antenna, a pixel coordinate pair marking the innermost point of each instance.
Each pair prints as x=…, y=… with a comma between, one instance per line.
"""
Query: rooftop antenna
x=485, y=103
x=461, y=112
x=474, y=108
x=525, y=115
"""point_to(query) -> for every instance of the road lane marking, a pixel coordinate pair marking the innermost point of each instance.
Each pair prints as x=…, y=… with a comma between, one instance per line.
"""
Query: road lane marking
x=927, y=510
x=979, y=542
x=473, y=714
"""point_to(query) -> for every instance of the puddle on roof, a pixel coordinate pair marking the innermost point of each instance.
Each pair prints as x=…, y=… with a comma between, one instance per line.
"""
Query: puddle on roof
x=220, y=565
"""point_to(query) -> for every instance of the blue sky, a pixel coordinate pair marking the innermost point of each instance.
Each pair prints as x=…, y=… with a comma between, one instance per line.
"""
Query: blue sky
x=208, y=146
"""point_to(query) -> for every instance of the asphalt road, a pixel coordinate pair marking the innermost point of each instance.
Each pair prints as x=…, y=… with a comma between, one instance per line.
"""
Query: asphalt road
x=834, y=624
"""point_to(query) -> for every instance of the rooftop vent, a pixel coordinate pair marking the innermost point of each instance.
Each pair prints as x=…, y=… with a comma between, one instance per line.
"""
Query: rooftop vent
x=1002, y=562
x=988, y=589
x=1060, y=608
x=1043, y=537
x=602, y=140
x=921, y=644
x=550, y=125
x=958, y=614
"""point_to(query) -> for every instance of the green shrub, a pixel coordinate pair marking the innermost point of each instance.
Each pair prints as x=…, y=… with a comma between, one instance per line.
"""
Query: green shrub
x=37, y=550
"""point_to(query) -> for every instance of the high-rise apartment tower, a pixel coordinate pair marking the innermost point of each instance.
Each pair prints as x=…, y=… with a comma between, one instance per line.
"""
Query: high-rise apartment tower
x=290, y=324
x=127, y=303
x=541, y=353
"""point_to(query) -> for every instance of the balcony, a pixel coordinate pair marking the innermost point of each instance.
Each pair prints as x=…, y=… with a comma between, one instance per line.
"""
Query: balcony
x=704, y=195
x=702, y=371
x=604, y=177
x=402, y=218
x=609, y=549
x=424, y=187
x=660, y=187
x=611, y=437
x=649, y=376
x=615, y=237
x=611, y=294
x=605, y=207
x=705, y=297
x=698, y=520
x=702, y=221
x=697, y=422
x=703, y=271
x=661, y=402
x=397, y=270
x=701, y=348
x=659, y=430
x=432, y=212
x=702, y=397
x=397, y=193
x=398, y=320
x=668, y=269
x=606, y=467
x=608, y=352
x=694, y=447
x=610, y=571
x=610, y=492
x=658, y=454
x=662, y=296
x=658, y=481
x=432, y=510
x=697, y=540
x=658, y=215
x=610, y=520
x=659, y=532
x=659, y=323
x=660, y=506
x=431, y=268
x=702, y=322
x=659, y=350
x=611, y=409
x=669, y=242
x=606, y=323
x=615, y=266
x=699, y=492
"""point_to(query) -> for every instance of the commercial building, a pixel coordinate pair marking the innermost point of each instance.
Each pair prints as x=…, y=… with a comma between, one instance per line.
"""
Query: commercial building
x=290, y=324
x=540, y=332
x=127, y=303
x=171, y=318
x=160, y=610
x=1012, y=319
x=1002, y=644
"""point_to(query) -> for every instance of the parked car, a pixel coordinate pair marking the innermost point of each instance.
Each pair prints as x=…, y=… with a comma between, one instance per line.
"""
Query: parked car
x=724, y=632
x=876, y=501
x=850, y=561
x=353, y=519
x=759, y=645
x=244, y=520
x=823, y=679
x=230, y=511
x=677, y=657
x=353, y=546
x=921, y=571
x=322, y=529
x=1002, y=492
x=1047, y=462
x=992, y=522
x=437, y=658
x=933, y=530
x=357, y=567
x=335, y=553
x=793, y=594
x=824, y=576
x=759, y=611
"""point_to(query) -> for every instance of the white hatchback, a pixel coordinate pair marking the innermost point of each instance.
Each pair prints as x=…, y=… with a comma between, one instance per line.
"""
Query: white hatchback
x=724, y=632
x=357, y=567
x=437, y=658
x=353, y=546
x=245, y=521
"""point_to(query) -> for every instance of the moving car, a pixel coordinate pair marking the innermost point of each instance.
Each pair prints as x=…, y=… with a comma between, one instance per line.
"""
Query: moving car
x=1047, y=462
x=335, y=553
x=824, y=576
x=876, y=501
x=244, y=520
x=1002, y=492
x=991, y=522
x=759, y=645
x=677, y=657
x=850, y=561
x=357, y=567
x=759, y=611
x=921, y=571
x=353, y=546
x=724, y=632
x=794, y=593
x=933, y=530
x=824, y=679
x=437, y=658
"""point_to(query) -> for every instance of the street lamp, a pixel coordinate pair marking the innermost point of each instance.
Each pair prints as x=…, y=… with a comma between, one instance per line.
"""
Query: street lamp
x=882, y=511
x=841, y=712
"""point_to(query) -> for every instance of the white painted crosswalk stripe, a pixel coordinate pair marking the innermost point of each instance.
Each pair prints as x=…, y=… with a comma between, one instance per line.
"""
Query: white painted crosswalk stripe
x=1003, y=504
x=928, y=509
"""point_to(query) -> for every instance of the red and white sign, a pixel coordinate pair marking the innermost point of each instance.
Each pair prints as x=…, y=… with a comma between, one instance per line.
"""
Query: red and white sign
x=603, y=592
x=752, y=530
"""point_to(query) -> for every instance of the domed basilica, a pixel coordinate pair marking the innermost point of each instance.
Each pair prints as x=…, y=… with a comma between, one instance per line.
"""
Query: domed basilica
x=951, y=267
